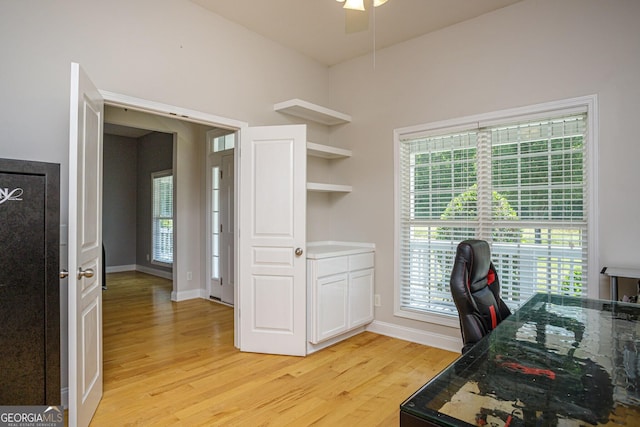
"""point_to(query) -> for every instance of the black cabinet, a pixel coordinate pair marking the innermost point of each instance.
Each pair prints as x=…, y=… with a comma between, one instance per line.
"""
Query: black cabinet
x=29, y=283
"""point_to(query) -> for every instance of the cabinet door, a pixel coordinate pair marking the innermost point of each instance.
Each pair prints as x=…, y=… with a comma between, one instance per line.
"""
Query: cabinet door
x=360, y=297
x=332, y=306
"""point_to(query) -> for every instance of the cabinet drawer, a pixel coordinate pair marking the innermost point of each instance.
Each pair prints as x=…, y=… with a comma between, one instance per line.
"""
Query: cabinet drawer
x=360, y=261
x=332, y=266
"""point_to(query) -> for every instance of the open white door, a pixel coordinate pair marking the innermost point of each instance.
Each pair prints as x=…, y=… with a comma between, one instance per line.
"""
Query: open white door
x=272, y=238
x=85, y=248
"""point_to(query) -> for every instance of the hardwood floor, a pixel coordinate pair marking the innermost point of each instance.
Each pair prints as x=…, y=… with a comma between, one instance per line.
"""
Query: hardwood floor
x=168, y=363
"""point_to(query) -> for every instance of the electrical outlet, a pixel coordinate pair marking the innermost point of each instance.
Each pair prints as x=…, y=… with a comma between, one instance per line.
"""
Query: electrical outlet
x=376, y=300
x=189, y=275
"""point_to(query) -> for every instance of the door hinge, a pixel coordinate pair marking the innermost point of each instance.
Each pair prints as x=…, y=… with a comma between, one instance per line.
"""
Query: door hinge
x=221, y=173
x=221, y=228
x=221, y=281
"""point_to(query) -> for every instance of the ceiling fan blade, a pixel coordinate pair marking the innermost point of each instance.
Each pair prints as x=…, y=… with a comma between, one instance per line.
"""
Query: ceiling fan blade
x=356, y=20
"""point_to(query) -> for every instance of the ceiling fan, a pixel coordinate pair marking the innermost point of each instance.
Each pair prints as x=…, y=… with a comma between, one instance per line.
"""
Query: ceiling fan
x=355, y=19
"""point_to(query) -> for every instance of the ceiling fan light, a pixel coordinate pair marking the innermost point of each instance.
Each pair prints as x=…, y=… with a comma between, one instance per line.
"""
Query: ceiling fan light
x=354, y=4
x=377, y=3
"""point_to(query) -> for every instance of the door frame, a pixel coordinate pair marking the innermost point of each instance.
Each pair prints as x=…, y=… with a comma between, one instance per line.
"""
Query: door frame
x=214, y=159
x=156, y=108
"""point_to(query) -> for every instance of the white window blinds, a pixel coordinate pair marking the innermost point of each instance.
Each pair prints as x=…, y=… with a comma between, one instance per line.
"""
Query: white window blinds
x=519, y=185
x=162, y=220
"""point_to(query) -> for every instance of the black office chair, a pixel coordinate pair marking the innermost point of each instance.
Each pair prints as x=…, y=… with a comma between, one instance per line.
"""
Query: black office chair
x=475, y=288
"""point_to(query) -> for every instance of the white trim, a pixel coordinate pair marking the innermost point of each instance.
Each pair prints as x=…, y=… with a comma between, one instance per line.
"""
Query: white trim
x=126, y=101
x=185, y=295
x=586, y=103
x=479, y=120
x=420, y=336
x=154, y=272
x=120, y=268
x=141, y=269
x=593, y=136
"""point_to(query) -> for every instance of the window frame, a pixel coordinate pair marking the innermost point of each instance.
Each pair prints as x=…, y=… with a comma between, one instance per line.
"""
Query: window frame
x=531, y=112
x=154, y=176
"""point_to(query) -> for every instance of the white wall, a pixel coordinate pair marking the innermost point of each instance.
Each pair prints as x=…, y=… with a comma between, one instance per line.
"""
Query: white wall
x=174, y=52
x=532, y=52
x=169, y=51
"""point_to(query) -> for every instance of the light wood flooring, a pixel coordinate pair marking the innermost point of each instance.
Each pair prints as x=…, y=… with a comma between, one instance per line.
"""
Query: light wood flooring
x=174, y=364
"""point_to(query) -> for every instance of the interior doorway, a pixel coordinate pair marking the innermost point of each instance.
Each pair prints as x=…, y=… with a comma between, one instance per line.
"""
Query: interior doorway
x=138, y=203
x=200, y=208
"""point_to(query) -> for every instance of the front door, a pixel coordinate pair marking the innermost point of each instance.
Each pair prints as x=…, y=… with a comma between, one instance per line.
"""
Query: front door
x=222, y=237
x=85, y=248
x=272, y=270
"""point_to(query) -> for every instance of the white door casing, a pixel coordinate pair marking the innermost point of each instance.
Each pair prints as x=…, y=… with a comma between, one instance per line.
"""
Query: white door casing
x=272, y=240
x=85, y=248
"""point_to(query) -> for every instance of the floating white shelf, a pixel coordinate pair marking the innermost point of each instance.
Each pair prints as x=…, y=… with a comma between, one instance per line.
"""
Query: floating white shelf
x=307, y=110
x=328, y=188
x=326, y=151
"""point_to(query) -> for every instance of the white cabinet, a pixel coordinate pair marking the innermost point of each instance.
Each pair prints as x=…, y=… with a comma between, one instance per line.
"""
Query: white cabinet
x=340, y=279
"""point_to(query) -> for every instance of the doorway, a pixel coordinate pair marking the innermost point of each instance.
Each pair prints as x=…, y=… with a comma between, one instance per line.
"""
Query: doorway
x=191, y=268
x=135, y=236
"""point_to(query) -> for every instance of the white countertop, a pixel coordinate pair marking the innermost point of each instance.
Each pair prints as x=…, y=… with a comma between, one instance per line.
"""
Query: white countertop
x=633, y=273
x=327, y=249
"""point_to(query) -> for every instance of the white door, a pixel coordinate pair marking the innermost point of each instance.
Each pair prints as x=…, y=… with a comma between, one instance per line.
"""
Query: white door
x=85, y=248
x=227, y=229
x=272, y=270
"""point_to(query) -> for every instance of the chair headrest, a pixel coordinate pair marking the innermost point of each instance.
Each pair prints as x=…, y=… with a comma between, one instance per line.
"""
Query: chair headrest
x=477, y=255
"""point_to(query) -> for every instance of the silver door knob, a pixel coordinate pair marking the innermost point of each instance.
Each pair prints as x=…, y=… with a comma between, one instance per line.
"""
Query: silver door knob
x=64, y=274
x=298, y=251
x=85, y=273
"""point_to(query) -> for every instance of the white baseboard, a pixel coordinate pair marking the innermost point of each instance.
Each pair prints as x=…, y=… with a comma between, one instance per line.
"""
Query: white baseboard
x=120, y=268
x=185, y=295
x=154, y=272
x=444, y=342
x=140, y=268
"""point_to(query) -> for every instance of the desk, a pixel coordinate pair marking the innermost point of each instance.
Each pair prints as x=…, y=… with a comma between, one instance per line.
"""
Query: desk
x=614, y=273
x=557, y=359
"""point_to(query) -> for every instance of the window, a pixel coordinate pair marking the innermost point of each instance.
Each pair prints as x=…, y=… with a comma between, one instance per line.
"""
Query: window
x=222, y=142
x=519, y=182
x=162, y=217
x=215, y=222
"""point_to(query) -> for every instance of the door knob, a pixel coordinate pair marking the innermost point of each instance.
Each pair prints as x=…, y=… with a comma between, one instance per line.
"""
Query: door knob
x=298, y=251
x=64, y=274
x=84, y=273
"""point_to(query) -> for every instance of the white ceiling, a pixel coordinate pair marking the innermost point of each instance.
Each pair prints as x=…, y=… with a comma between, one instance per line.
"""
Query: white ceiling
x=316, y=28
